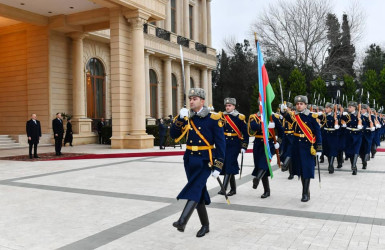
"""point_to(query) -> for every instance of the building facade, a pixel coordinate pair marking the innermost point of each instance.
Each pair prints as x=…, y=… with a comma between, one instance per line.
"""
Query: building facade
x=117, y=59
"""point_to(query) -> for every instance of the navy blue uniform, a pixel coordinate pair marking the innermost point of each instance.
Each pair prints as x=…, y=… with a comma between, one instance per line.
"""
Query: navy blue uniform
x=259, y=148
x=330, y=137
x=367, y=137
x=287, y=140
x=303, y=159
x=353, y=135
x=234, y=143
x=197, y=157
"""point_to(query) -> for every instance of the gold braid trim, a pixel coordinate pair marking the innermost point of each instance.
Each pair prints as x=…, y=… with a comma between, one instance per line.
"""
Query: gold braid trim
x=251, y=118
x=185, y=130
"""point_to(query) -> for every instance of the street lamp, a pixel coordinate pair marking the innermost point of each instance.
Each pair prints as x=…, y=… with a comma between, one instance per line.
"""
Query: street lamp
x=333, y=85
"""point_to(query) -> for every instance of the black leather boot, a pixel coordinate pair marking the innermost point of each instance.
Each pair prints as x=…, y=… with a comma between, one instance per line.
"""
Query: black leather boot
x=305, y=190
x=204, y=218
x=185, y=216
x=322, y=159
x=339, y=159
x=331, y=162
x=233, y=186
x=291, y=175
x=225, y=184
x=266, y=187
x=373, y=150
x=364, y=161
x=259, y=176
x=353, y=160
x=285, y=165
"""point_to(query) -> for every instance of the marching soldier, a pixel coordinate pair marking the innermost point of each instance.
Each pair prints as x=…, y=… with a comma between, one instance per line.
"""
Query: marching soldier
x=307, y=141
x=237, y=141
x=341, y=138
x=368, y=135
x=204, y=130
x=330, y=136
x=353, y=135
x=287, y=143
x=261, y=168
x=376, y=140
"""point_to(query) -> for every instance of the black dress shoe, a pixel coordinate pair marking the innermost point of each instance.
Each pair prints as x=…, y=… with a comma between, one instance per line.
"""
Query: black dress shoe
x=221, y=193
x=232, y=192
x=30, y=157
x=265, y=195
x=36, y=156
x=354, y=172
x=204, y=230
x=290, y=177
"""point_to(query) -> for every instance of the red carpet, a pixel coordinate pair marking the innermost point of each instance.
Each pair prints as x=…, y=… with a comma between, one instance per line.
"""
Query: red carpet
x=380, y=149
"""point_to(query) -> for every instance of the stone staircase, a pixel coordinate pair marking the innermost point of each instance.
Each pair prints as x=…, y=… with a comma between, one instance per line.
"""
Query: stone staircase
x=6, y=142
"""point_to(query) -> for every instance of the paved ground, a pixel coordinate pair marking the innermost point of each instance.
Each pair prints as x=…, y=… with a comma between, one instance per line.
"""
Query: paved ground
x=129, y=203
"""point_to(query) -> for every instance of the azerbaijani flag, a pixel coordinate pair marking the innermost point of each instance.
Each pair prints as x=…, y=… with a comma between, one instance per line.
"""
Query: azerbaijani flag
x=266, y=97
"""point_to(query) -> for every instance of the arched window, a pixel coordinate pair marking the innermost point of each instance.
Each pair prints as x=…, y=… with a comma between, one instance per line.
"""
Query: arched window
x=192, y=83
x=153, y=93
x=174, y=94
x=96, y=90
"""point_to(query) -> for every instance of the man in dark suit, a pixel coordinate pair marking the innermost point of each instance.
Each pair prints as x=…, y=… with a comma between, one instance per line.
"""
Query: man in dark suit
x=58, y=131
x=101, y=124
x=69, y=134
x=33, y=133
x=162, y=133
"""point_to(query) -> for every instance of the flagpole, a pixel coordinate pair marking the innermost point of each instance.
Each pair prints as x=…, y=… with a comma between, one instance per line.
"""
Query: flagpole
x=272, y=130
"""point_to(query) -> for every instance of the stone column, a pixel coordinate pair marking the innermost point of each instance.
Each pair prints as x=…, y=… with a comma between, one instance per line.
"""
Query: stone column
x=168, y=16
x=147, y=83
x=209, y=23
x=187, y=76
x=186, y=26
x=81, y=125
x=210, y=88
x=204, y=22
x=167, y=87
x=204, y=83
x=128, y=80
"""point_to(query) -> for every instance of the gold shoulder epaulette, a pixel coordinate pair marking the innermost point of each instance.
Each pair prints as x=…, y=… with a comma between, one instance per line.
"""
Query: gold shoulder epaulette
x=242, y=117
x=276, y=116
x=216, y=116
x=314, y=115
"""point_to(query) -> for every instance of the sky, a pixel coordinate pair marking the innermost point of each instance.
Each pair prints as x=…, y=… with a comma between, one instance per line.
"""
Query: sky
x=233, y=19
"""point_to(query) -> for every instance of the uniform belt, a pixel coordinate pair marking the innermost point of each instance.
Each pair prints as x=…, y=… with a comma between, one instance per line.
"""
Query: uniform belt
x=330, y=129
x=199, y=148
x=353, y=129
x=261, y=136
x=368, y=128
x=299, y=135
x=231, y=134
x=289, y=132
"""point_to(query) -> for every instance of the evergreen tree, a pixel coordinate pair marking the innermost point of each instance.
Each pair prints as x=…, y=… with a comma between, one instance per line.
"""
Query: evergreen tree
x=318, y=86
x=296, y=83
x=374, y=59
x=347, y=49
x=381, y=86
x=349, y=89
x=371, y=86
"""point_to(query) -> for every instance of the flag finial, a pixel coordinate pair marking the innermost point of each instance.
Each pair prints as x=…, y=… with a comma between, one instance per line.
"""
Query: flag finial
x=255, y=35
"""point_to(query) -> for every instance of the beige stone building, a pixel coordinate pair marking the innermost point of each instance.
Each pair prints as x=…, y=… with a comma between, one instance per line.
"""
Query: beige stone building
x=118, y=59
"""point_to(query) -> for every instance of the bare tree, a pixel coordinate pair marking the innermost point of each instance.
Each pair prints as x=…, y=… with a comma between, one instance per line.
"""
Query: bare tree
x=295, y=30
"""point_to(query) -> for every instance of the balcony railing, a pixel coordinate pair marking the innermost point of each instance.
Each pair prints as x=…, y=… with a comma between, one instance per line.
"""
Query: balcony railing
x=164, y=34
x=201, y=47
x=183, y=41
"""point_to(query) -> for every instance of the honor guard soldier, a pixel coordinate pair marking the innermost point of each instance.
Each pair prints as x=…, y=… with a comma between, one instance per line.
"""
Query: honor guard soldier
x=237, y=141
x=376, y=140
x=287, y=143
x=261, y=168
x=204, y=130
x=330, y=136
x=368, y=135
x=353, y=135
x=307, y=141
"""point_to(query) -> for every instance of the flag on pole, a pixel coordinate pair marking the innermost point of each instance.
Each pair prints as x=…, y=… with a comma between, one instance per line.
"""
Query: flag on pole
x=266, y=97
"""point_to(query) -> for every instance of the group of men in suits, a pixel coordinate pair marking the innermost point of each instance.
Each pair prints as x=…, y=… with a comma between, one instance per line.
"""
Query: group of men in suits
x=33, y=129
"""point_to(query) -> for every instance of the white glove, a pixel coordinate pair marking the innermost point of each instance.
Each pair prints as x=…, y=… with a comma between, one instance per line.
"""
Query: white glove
x=320, y=113
x=344, y=125
x=359, y=126
x=283, y=107
x=243, y=151
x=344, y=113
x=372, y=128
x=318, y=154
x=337, y=126
x=215, y=173
x=276, y=145
x=271, y=125
x=183, y=112
x=378, y=125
